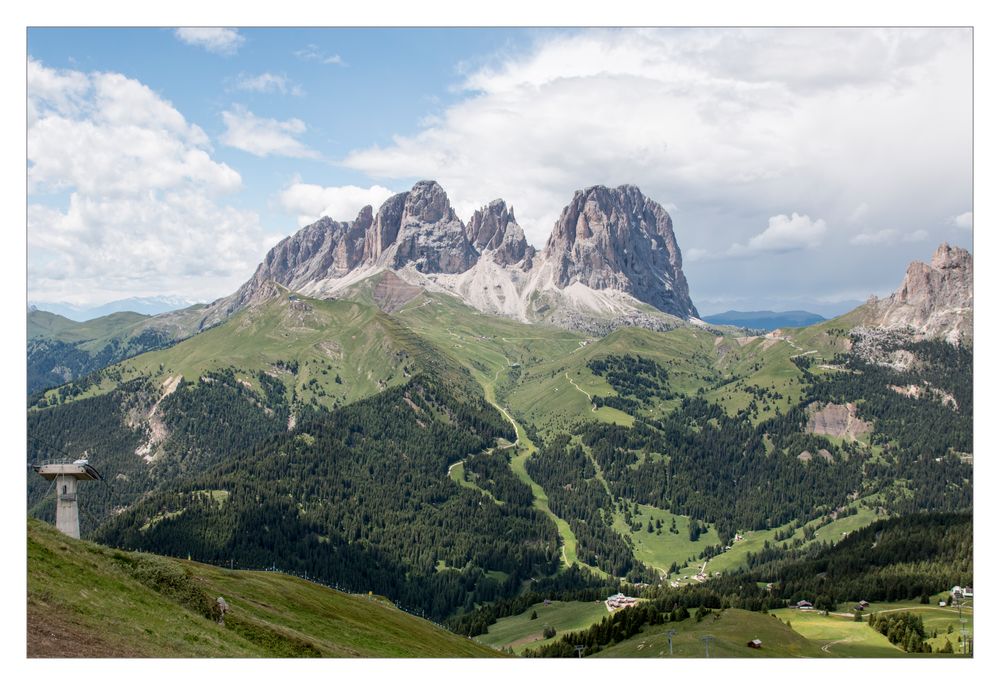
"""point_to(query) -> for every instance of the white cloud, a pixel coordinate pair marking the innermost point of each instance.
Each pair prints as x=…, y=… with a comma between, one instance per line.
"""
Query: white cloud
x=268, y=83
x=142, y=214
x=883, y=237
x=727, y=124
x=218, y=40
x=313, y=53
x=963, y=220
x=105, y=133
x=783, y=234
x=889, y=236
x=341, y=203
x=263, y=137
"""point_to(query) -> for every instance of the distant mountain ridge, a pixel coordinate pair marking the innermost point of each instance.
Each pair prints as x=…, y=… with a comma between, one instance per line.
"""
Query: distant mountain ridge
x=765, y=320
x=612, y=255
x=150, y=306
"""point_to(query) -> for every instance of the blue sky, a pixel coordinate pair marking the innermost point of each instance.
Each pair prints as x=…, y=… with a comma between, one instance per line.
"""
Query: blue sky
x=351, y=87
x=803, y=168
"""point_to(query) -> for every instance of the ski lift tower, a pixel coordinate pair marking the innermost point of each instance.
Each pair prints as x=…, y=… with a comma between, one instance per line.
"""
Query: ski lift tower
x=66, y=477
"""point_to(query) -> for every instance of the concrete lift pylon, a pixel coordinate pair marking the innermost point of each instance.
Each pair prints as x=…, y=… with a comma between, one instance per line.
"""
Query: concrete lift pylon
x=66, y=477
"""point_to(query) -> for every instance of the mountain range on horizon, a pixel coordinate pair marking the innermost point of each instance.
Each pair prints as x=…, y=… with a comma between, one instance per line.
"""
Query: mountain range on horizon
x=148, y=306
x=765, y=320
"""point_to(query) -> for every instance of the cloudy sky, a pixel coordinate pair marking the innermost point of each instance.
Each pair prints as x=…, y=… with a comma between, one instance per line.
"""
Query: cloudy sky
x=804, y=168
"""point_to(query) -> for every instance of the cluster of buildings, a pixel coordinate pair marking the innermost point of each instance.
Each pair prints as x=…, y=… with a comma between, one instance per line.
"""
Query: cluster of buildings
x=959, y=592
x=620, y=601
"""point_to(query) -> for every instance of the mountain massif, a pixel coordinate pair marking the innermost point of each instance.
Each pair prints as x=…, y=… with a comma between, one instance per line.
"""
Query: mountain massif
x=612, y=259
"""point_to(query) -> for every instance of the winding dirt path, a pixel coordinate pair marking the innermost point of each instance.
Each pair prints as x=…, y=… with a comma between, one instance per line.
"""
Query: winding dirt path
x=590, y=397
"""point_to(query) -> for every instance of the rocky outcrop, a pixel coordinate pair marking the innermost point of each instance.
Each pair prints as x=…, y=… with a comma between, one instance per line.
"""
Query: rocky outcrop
x=385, y=228
x=836, y=420
x=324, y=249
x=935, y=300
x=431, y=237
x=494, y=229
x=617, y=239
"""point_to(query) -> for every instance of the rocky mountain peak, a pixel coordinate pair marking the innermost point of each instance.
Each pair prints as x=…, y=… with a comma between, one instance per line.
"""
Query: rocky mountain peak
x=617, y=238
x=934, y=299
x=494, y=228
x=430, y=235
x=427, y=203
x=948, y=257
x=320, y=250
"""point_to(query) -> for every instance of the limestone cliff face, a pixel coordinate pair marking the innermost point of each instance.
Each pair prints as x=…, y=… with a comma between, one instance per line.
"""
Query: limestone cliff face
x=323, y=249
x=384, y=229
x=934, y=299
x=494, y=229
x=618, y=239
x=431, y=237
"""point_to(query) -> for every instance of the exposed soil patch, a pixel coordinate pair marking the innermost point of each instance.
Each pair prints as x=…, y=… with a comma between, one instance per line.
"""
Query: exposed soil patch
x=157, y=429
x=51, y=635
x=837, y=420
x=392, y=292
x=331, y=349
x=917, y=391
x=823, y=453
x=413, y=406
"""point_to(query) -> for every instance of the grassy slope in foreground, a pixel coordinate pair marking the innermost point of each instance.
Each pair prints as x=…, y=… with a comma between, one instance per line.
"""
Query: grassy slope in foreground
x=89, y=600
x=731, y=630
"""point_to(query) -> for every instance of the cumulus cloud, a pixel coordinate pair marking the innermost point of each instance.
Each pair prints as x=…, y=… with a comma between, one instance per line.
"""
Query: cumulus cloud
x=783, y=234
x=963, y=220
x=217, y=40
x=124, y=194
x=731, y=125
x=263, y=137
x=313, y=53
x=341, y=203
x=268, y=83
x=105, y=133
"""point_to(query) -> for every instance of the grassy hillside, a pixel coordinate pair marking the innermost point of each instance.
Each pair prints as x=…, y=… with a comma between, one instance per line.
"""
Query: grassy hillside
x=325, y=352
x=730, y=629
x=88, y=600
x=838, y=634
x=521, y=632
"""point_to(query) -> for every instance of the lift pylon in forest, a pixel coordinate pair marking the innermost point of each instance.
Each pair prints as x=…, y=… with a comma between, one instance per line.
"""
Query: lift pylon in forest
x=67, y=476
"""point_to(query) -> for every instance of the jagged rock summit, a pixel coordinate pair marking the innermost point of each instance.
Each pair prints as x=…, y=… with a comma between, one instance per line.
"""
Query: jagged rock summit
x=618, y=239
x=494, y=229
x=935, y=299
x=612, y=259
